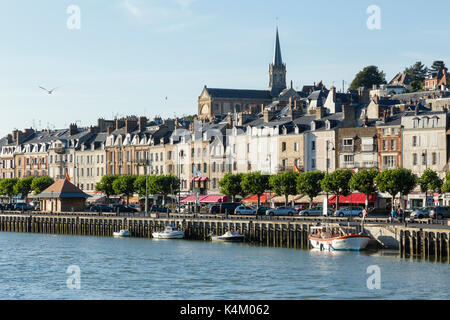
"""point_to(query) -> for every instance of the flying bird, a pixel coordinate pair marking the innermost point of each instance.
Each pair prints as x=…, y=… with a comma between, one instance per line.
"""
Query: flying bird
x=49, y=91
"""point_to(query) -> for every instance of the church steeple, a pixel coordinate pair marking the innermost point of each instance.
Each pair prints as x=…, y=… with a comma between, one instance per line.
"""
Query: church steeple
x=277, y=61
x=277, y=71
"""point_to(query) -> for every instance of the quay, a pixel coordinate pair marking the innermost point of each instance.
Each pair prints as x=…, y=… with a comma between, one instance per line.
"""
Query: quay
x=426, y=239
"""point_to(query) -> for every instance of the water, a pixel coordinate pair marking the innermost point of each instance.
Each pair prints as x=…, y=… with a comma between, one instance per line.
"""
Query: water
x=33, y=266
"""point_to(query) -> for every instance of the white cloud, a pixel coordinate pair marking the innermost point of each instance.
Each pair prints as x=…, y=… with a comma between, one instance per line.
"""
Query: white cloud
x=131, y=8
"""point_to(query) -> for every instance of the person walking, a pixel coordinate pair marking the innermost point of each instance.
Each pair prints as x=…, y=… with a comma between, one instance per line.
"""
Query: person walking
x=393, y=213
x=400, y=213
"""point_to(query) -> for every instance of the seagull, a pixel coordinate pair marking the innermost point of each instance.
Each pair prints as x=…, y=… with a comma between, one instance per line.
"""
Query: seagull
x=49, y=91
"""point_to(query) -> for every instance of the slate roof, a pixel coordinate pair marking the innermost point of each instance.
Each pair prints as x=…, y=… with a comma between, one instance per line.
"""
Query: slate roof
x=62, y=189
x=239, y=94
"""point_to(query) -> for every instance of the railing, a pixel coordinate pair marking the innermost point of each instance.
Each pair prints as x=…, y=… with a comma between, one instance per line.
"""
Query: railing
x=367, y=147
x=348, y=148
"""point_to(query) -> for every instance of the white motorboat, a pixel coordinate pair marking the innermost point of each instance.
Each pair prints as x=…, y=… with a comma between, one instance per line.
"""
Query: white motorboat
x=169, y=233
x=229, y=236
x=122, y=233
x=321, y=239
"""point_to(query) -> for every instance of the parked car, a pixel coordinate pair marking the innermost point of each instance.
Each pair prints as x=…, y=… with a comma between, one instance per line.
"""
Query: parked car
x=23, y=207
x=227, y=207
x=378, y=212
x=9, y=206
x=262, y=211
x=420, y=213
x=281, y=211
x=160, y=209
x=245, y=210
x=124, y=208
x=317, y=211
x=101, y=208
x=440, y=212
x=349, y=212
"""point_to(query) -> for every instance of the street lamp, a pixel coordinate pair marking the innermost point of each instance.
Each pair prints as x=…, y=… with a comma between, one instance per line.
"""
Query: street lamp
x=327, y=164
x=425, y=160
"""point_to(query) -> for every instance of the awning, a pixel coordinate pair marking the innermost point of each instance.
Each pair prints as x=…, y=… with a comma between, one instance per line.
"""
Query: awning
x=282, y=199
x=199, y=179
x=254, y=198
x=205, y=199
x=354, y=198
x=316, y=200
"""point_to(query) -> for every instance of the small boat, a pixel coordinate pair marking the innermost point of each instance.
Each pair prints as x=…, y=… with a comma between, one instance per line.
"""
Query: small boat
x=169, y=233
x=122, y=233
x=229, y=236
x=321, y=239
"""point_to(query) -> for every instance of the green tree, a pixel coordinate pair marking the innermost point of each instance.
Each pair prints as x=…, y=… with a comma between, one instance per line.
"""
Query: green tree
x=7, y=187
x=338, y=183
x=416, y=86
x=446, y=185
x=230, y=185
x=255, y=183
x=284, y=184
x=368, y=77
x=106, y=185
x=169, y=184
x=395, y=181
x=430, y=181
x=437, y=66
x=364, y=182
x=417, y=72
x=41, y=183
x=309, y=183
x=124, y=185
x=23, y=187
x=140, y=185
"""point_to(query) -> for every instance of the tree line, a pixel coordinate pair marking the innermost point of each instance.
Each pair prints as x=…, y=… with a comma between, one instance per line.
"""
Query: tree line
x=11, y=187
x=127, y=185
x=341, y=182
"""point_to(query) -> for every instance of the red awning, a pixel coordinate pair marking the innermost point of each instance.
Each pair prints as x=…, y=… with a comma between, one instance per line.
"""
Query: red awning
x=205, y=199
x=199, y=179
x=354, y=198
x=254, y=198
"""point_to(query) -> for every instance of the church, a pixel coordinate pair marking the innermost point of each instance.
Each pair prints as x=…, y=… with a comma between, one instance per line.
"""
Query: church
x=215, y=102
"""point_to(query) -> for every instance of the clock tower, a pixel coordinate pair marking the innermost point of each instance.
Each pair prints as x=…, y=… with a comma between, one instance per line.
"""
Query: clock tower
x=277, y=71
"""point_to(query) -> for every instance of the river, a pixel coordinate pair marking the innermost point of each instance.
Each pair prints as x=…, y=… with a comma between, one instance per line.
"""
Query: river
x=35, y=266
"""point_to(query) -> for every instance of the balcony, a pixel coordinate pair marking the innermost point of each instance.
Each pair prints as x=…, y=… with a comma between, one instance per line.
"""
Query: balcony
x=348, y=148
x=347, y=165
x=367, y=147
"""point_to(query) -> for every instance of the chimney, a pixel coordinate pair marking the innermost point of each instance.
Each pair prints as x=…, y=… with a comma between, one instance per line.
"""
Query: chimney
x=333, y=92
x=143, y=123
x=320, y=112
x=262, y=107
x=119, y=123
x=94, y=129
x=73, y=129
x=9, y=138
x=268, y=115
x=230, y=119
x=349, y=116
x=110, y=130
x=130, y=125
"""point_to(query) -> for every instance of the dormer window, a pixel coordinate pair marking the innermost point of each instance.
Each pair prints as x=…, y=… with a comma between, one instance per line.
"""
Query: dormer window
x=416, y=122
x=313, y=125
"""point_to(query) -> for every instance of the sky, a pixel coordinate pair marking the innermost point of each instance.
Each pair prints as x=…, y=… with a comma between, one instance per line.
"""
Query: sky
x=153, y=57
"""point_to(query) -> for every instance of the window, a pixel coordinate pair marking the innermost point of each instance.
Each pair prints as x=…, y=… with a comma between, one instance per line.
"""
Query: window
x=235, y=165
x=414, y=141
x=416, y=122
x=348, y=159
x=248, y=147
x=384, y=145
x=348, y=142
x=424, y=158
x=295, y=146
x=234, y=148
x=393, y=144
x=283, y=146
x=389, y=161
x=313, y=163
x=283, y=163
x=313, y=145
x=415, y=159
x=434, y=158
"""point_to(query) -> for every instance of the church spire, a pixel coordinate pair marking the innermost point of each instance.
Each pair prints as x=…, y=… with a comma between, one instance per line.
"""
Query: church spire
x=277, y=61
x=277, y=71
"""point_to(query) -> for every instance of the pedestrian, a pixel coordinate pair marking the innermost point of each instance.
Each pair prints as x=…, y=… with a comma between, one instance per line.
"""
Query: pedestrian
x=400, y=213
x=393, y=213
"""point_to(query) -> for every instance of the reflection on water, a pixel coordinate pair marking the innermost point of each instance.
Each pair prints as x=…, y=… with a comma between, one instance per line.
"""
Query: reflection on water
x=33, y=266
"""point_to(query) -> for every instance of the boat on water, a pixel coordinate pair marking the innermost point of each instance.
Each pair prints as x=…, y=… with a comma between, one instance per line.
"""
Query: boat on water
x=122, y=233
x=230, y=236
x=169, y=233
x=322, y=239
